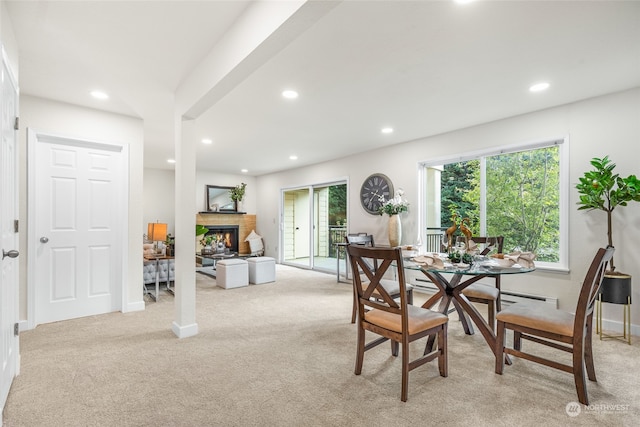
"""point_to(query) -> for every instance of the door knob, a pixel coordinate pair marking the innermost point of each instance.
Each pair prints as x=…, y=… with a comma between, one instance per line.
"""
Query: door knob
x=10, y=254
x=44, y=239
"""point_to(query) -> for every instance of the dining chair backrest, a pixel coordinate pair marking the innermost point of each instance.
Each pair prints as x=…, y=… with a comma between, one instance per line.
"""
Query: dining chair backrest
x=363, y=240
x=483, y=239
x=590, y=288
x=370, y=285
x=360, y=239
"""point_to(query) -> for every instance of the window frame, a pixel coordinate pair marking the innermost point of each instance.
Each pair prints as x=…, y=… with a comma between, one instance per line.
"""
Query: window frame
x=563, y=153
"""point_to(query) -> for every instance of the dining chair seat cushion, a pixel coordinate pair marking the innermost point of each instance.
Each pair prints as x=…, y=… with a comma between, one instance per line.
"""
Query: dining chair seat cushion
x=481, y=291
x=538, y=316
x=420, y=319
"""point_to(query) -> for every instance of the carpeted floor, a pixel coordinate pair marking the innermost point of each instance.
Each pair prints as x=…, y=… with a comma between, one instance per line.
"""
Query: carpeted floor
x=282, y=354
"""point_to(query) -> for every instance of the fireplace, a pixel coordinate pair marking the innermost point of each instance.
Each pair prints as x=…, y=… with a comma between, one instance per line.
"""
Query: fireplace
x=228, y=233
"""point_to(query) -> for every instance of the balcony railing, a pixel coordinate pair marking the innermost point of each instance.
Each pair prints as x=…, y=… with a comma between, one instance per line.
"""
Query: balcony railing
x=336, y=235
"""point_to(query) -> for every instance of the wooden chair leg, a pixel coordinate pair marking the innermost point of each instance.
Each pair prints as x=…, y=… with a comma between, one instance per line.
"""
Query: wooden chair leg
x=443, y=361
x=517, y=340
x=405, y=371
x=579, y=374
x=499, y=350
x=360, y=350
x=394, y=348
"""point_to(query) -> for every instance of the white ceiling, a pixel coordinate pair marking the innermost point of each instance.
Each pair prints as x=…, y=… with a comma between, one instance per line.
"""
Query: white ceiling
x=421, y=67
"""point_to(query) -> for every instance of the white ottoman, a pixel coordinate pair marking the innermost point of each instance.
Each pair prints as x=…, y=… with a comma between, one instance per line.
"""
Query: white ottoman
x=232, y=273
x=262, y=269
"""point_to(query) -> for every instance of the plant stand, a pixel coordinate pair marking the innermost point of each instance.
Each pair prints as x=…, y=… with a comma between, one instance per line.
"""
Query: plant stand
x=615, y=290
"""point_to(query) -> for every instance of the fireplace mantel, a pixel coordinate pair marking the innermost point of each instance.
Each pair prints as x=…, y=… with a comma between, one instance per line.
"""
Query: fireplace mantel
x=221, y=213
x=245, y=223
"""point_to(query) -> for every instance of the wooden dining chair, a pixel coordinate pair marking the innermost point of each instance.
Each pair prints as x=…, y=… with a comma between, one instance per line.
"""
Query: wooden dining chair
x=484, y=293
x=400, y=322
x=390, y=285
x=551, y=327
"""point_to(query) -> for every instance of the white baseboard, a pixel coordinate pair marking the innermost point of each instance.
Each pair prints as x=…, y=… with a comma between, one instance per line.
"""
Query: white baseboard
x=185, y=331
x=134, y=306
x=23, y=325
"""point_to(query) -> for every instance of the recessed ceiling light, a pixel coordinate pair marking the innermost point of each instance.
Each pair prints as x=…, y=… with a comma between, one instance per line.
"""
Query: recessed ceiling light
x=293, y=157
x=171, y=160
x=539, y=87
x=244, y=170
x=290, y=94
x=387, y=130
x=207, y=141
x=463, y=1
x=97, y=94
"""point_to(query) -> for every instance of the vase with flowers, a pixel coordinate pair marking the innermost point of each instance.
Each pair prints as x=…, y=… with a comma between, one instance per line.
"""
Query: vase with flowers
x=393, y=207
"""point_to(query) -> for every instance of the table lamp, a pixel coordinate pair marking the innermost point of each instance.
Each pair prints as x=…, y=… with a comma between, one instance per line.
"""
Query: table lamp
x=156, y=232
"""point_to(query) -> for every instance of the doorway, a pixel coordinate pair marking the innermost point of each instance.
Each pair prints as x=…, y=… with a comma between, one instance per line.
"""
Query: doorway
x=314, y=219
x=9, y=344
x=76, y=243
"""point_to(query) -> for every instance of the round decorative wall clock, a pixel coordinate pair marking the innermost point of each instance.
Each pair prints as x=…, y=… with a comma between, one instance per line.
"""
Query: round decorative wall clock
x=373, y=187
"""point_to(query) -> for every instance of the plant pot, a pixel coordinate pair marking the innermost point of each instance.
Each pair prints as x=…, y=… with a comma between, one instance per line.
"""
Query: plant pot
x=616, y=288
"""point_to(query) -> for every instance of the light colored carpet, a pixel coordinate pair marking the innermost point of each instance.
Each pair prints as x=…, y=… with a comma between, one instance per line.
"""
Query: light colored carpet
x=283, y=354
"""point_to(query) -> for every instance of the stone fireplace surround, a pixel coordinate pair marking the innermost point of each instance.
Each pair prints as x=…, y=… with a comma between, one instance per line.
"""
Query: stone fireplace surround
x=245, y=223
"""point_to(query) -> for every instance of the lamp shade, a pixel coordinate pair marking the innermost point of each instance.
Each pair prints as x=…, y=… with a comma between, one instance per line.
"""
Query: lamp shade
x=157, y=231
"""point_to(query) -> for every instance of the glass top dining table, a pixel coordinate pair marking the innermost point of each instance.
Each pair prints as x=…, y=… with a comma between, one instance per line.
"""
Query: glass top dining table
x=450, y=290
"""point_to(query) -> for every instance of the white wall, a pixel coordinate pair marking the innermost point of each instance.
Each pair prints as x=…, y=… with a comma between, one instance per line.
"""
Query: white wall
x=607, y=125
x=82, y=123
x=8, y=39
x=158, y=201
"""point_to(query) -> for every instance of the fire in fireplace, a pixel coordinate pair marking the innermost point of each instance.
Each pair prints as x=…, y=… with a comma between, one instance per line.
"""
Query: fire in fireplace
x=228, y=233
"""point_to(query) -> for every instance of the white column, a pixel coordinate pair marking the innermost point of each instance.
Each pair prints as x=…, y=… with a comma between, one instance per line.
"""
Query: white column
x=185, y=324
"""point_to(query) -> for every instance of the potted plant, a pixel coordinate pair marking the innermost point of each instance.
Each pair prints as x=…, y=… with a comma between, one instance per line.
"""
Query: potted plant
x=602, y=189
x=237, y=194
x=201, y=230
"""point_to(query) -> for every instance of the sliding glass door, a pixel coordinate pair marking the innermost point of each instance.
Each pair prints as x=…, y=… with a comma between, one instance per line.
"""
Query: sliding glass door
x=313, y=221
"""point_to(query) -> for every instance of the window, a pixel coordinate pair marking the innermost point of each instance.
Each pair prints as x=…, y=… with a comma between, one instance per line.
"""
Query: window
x=519, y=192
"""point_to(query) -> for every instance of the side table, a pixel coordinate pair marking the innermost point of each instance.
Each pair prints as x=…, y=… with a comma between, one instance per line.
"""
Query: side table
x=157, y=260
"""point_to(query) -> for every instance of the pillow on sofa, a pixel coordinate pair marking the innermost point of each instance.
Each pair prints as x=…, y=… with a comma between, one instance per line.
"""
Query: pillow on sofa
x=255, y=243
x=147, y=249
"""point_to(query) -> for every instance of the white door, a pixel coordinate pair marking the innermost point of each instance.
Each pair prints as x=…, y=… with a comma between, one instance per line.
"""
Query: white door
x=78, y=252
x=8, y=235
